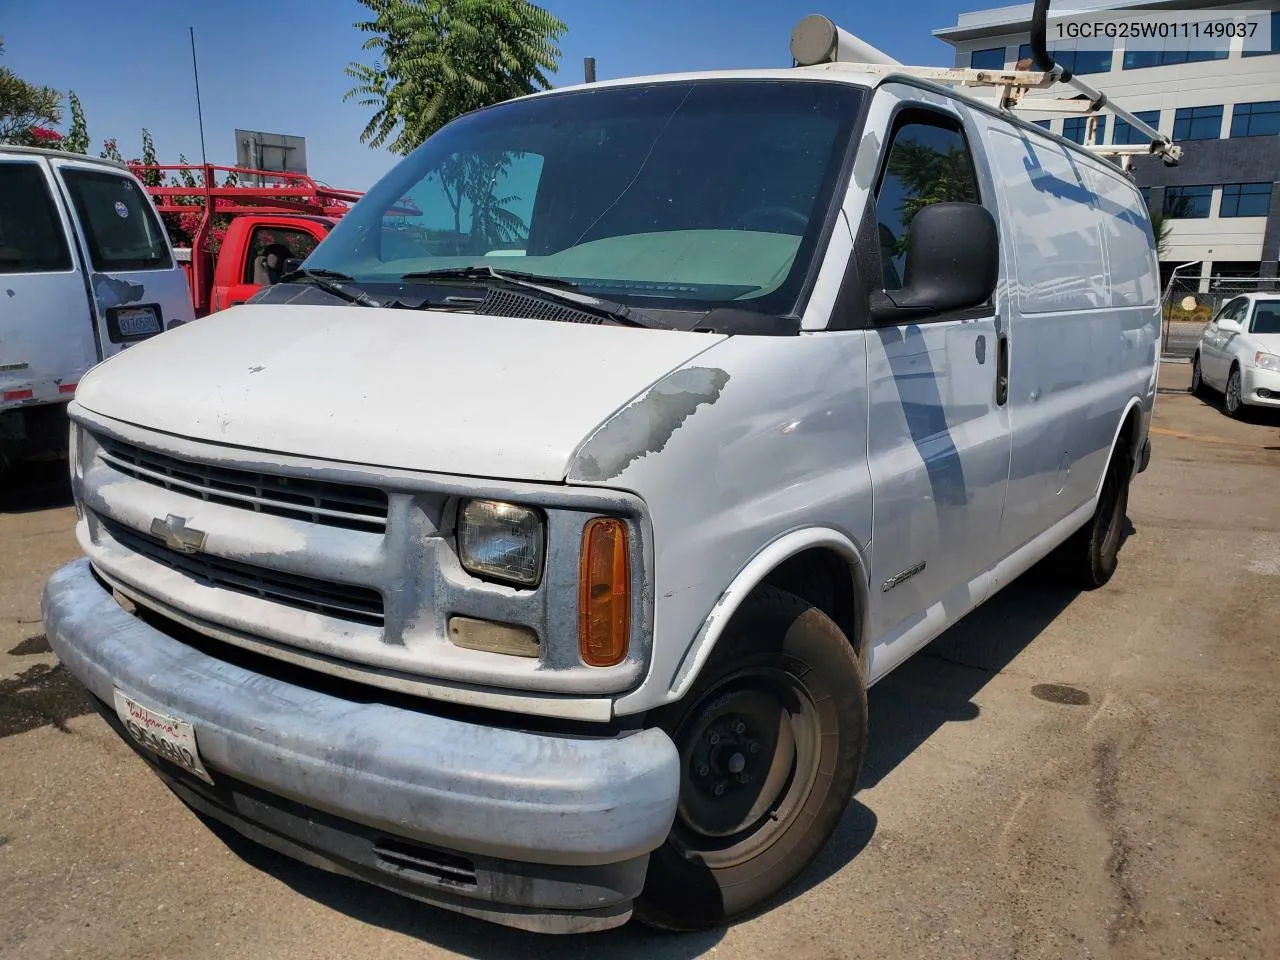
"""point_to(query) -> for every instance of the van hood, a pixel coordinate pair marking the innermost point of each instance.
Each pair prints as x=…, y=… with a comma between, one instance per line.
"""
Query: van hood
x=457, y=393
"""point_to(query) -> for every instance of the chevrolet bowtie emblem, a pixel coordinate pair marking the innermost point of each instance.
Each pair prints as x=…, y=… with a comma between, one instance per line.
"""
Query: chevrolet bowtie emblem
x=175, y=533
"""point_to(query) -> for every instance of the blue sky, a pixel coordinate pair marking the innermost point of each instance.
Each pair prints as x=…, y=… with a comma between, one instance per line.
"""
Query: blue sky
x=279, y=66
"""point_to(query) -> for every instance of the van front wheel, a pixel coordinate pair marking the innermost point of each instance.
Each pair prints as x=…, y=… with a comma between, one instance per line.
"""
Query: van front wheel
x=771, y=740
x=1088, y=559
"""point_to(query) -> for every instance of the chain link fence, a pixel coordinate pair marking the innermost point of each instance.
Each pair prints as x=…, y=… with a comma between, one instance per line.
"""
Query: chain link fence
x=1191, y=301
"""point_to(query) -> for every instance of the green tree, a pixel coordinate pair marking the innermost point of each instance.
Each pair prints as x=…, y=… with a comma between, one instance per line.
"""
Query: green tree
x=152, y=178
x=77, y=140
x=472, y=178
x=929, y=176
x=438, y=59
x=24, y=106
x=185, y=178
x=1162, y=227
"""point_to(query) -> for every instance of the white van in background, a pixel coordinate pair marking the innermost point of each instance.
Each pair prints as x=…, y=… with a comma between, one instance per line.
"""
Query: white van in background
x=532, y=556
x=86, y=269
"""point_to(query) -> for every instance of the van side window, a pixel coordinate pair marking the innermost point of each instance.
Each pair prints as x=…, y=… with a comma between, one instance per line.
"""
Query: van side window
x=118, y=222
x=929, y=162
x=31, y=237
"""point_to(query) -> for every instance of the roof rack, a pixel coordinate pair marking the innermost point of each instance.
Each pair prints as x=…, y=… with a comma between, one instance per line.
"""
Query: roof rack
x=816, y=40
x=289, y=193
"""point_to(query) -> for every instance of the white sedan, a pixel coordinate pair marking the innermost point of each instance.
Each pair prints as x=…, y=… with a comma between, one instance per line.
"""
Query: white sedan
x=1239, y=353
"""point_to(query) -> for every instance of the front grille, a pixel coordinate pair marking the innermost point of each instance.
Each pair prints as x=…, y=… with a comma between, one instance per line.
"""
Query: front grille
x=339, y=600
x=320, y=501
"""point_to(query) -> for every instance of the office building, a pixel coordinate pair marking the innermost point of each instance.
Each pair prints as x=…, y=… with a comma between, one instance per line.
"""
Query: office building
x=1222, y=107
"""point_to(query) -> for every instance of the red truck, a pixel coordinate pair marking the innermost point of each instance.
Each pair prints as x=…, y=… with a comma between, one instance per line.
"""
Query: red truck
x=273, y=227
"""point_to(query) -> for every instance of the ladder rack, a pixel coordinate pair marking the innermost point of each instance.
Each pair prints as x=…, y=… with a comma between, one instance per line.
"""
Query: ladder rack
x=816, y=41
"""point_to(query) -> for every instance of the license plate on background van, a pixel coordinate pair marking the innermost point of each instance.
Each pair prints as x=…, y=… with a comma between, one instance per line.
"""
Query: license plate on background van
x=137, y=321
x=167, y=737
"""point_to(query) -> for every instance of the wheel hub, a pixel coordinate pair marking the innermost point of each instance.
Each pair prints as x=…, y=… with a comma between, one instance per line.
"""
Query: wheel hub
x=738, y=754
x=729, y=751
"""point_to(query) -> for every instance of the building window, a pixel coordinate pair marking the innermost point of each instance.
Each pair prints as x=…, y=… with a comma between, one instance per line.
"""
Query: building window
x=1147, y=194
x=1043, y=124
x=1234, y=270
x=1074, y=128
x=1245, y=200
x=1197, y=123
x=1126, y=134
x=1091, y=61
x=1138, y=59
x=1077, y=61
x=1188, y=203
x=990, y=59
x=1275, y=39
x=1256, y=119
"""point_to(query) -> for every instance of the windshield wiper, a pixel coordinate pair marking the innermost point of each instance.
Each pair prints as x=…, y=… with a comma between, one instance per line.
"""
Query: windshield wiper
x=331, y=281
x=482, y=272
x=554, y=289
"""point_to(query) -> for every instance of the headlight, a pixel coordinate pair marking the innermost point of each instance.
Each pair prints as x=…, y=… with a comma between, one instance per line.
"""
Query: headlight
x=501, y=541
x=1266, y=361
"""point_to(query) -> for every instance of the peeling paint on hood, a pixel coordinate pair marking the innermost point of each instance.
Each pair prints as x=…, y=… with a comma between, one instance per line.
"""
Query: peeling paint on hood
x=645, y=426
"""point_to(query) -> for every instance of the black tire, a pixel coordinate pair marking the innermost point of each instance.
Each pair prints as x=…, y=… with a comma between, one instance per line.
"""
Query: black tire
x=1198, y=388
x=1089, y=558
x=785, y=678
x=1232, y=397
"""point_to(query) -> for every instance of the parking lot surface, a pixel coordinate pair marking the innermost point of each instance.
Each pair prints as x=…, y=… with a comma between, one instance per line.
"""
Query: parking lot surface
x=1060, y=775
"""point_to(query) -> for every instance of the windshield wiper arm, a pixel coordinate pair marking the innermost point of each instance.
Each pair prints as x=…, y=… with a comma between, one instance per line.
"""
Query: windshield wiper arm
x=482, y=272
x=331, y=281
x=549, y=288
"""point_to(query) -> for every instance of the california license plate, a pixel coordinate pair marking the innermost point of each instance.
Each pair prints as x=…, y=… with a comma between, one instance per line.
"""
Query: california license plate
x=137, y=321
x=167, y=737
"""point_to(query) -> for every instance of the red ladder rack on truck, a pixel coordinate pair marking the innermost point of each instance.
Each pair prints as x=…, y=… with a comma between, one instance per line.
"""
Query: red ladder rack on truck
x=295, y=211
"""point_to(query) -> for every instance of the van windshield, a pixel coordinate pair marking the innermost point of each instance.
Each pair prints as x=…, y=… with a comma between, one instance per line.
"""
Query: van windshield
x=677, y=195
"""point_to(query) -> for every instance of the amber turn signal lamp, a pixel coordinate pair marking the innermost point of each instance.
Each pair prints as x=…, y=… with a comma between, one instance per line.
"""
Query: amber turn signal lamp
x=604, y=593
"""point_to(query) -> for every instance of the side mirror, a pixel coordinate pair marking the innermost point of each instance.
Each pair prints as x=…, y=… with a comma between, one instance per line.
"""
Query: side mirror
x=953, y=263
x=1229, y=324
x=291, y=264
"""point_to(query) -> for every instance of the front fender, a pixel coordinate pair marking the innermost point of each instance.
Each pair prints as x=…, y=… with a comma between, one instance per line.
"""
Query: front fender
x=754, y=573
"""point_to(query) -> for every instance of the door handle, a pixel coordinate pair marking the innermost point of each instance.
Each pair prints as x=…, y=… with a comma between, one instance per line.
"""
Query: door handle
x=1002, y=369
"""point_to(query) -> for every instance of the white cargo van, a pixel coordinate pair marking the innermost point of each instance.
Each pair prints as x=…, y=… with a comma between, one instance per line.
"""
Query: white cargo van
x=85, y=271
x=531, y=552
